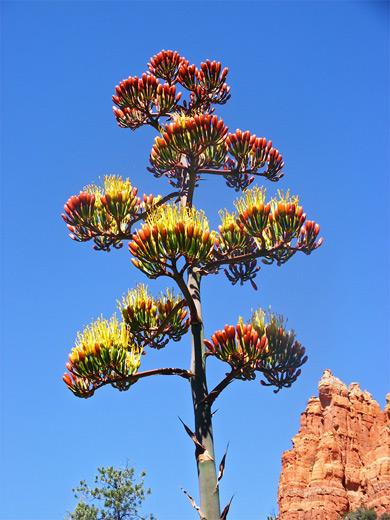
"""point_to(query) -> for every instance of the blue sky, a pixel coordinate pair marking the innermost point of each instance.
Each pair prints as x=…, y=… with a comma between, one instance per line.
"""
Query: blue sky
x=311, y=76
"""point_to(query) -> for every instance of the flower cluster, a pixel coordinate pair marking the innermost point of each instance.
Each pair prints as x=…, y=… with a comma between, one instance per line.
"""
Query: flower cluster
x=145, y=100
x=105, y=214
x=285, y=355
x=170, y=233
x=104, y=353
x=253, y=212
x=286, y=218
x=199, y=138
x=308, y=235
x=263, y=345
x=233, y=242
x=166, y=65
x=189, y=130
x=207, y=85
x=137, y=97
x=240, y=346
x=154, y=321
x=273, y=230
x=252, y=153
x=205, y=143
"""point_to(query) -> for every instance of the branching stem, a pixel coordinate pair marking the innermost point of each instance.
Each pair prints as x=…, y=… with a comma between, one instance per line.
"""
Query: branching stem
x=212, y=396
x=195, y=318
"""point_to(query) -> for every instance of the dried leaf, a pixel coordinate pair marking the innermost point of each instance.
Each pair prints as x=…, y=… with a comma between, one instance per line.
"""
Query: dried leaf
x=221, y=468
x=202, y=517
x=193, y=437
x=226, y=510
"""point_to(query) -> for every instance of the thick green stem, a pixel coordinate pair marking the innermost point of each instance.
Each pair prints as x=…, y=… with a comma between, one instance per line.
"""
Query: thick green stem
x=205, y=458
x=209, y=494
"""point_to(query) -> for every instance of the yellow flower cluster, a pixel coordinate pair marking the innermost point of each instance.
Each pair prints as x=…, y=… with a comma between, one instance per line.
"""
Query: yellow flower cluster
x=172, y=232
x=231, y=236
x=253, y=197
x=111, y=184
x=170, y=214
x=108, y=341
x=145, y=314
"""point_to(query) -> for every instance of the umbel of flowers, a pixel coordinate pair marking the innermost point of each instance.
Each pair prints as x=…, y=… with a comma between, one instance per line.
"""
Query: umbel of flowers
x=263, y=345
x=103, y=353
x=169, y=237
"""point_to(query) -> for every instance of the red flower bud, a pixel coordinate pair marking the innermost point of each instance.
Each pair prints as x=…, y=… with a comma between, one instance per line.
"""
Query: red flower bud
x=155, y=232
x=209, y=345
x=67, y=379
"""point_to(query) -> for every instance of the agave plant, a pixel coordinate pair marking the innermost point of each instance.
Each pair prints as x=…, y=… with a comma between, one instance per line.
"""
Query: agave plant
x=168, y=237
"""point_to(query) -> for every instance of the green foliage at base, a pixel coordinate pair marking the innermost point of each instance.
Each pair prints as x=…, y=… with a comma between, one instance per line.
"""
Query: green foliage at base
x=362, y=513
x=119, y=496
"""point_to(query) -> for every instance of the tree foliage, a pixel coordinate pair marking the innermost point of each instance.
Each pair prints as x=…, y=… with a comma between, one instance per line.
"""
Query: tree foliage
x=116, y=495
x=364, y=513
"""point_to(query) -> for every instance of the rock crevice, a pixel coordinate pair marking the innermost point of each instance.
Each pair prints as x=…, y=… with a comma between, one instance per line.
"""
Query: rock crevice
x=340, y=457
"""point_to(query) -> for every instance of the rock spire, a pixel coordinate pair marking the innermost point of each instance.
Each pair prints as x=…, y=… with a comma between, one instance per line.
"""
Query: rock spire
x=340, y=457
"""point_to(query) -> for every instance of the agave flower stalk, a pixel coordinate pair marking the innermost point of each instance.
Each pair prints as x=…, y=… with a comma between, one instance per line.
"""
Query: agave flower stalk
x=168, y=237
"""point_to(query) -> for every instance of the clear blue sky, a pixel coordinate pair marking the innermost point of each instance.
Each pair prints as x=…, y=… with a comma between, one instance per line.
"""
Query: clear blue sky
x=311, y=76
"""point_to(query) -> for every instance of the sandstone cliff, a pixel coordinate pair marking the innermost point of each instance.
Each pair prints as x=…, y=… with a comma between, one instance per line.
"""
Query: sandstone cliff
x=340, y=458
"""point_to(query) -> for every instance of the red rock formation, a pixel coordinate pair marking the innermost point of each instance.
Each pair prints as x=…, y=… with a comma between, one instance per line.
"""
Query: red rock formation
x=340, y=458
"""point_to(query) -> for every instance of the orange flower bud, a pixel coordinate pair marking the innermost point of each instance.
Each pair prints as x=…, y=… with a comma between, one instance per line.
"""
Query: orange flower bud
x=209, y=345
x=177, y=231
x=155, y=232
x=67, y=379
x=146, y=231
x=133, y=249
x=181, y=227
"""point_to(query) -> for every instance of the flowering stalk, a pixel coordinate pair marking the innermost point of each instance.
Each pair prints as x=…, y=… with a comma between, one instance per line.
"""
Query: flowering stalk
x=205, y=457
x=174, y=240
